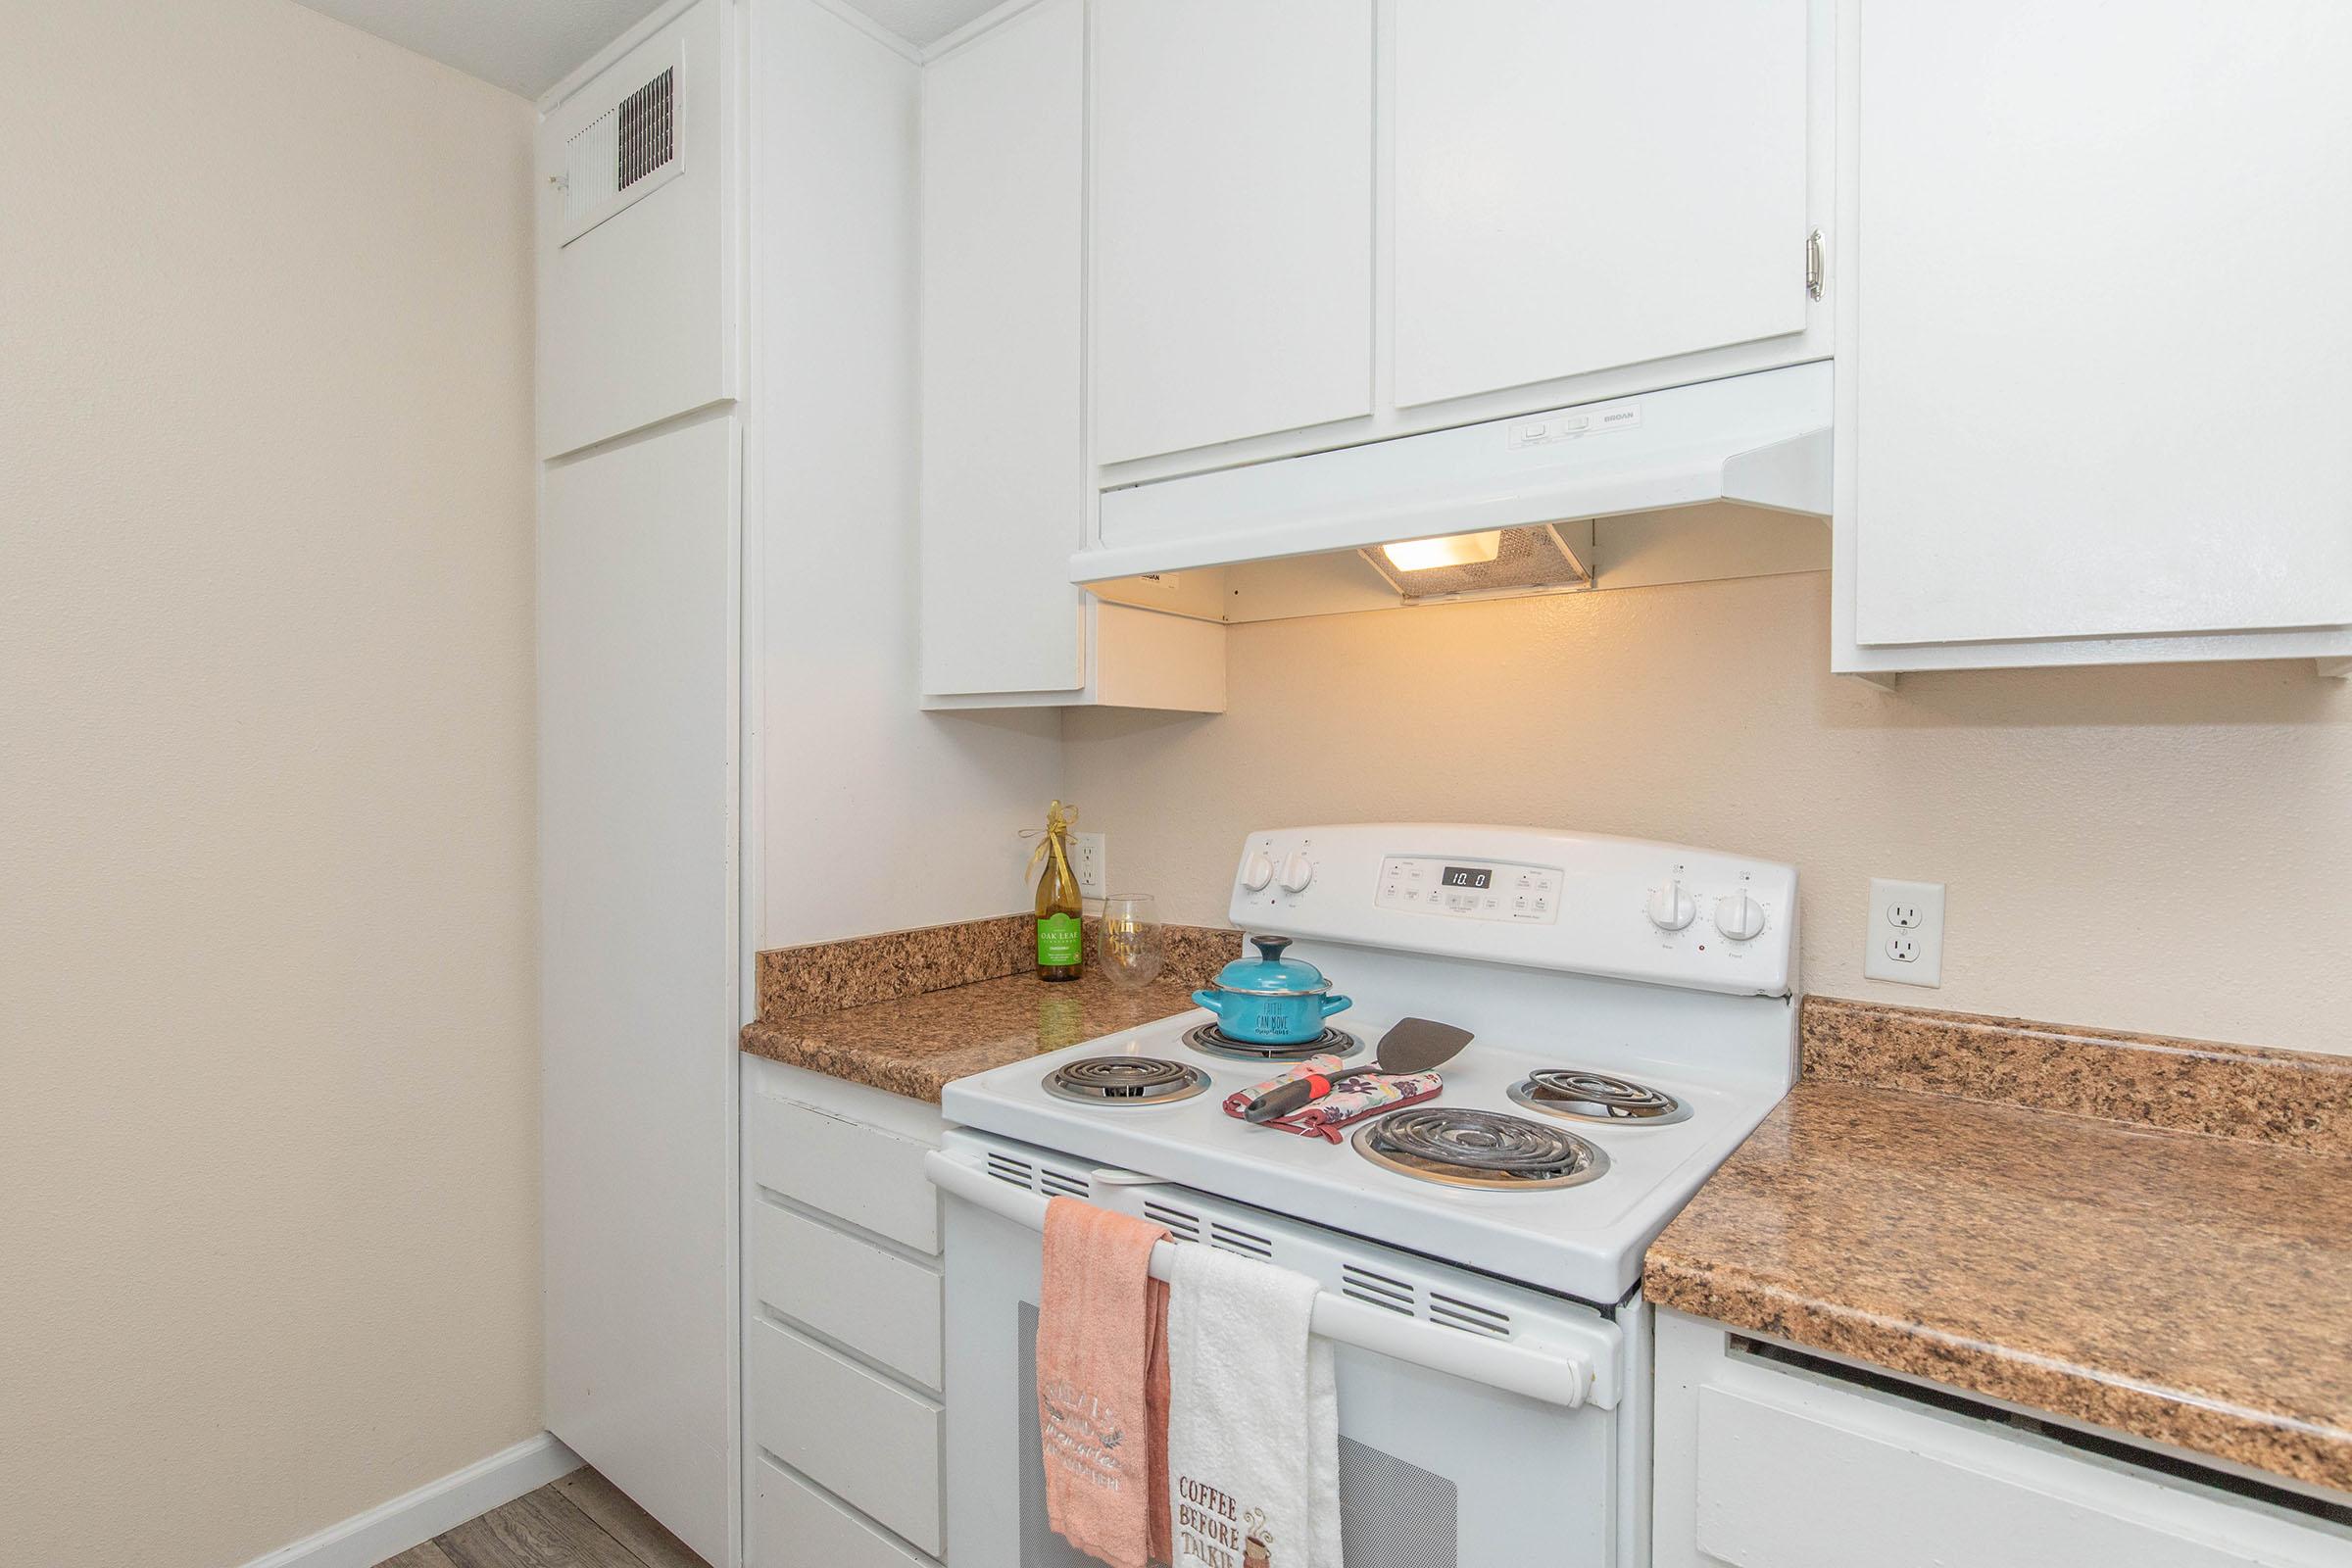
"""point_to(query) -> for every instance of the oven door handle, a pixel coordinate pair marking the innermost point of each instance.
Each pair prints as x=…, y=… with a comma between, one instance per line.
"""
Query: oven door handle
x=1557, y=1374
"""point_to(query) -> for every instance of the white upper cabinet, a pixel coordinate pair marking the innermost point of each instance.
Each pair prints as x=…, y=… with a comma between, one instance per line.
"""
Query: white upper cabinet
x=1004, y=477
x=1329, y=222
x=1004, y=497
x=1233, y=174
x=2097, y=361
x=1582, y=185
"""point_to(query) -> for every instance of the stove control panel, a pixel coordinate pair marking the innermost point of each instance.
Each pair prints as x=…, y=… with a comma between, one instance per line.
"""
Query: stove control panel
x=1470, y=890
x=1537, y=897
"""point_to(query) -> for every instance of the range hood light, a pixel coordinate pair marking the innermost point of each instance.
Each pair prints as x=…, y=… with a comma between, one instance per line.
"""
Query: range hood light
x=1452, y=550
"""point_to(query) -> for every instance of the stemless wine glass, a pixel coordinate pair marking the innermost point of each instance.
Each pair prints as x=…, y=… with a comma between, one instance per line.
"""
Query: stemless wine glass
x=1132, y=946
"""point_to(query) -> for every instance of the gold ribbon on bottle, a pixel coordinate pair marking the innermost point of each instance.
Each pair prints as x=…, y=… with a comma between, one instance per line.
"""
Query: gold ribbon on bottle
x=1059, y=819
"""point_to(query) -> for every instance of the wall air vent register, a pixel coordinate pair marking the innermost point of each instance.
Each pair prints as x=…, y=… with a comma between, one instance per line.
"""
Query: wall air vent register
x=625, y=154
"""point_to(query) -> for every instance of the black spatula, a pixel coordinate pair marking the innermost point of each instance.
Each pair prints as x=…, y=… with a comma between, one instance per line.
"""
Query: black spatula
x=1413, y=1044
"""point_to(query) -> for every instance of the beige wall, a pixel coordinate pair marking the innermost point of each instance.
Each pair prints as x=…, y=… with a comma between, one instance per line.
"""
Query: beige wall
x=2162, y=848
x=918, y=812
x=267, y=1071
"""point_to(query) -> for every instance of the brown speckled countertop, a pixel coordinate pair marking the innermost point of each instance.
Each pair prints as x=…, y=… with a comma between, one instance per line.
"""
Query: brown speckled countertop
x=909, y=1011
x=2191, y=1287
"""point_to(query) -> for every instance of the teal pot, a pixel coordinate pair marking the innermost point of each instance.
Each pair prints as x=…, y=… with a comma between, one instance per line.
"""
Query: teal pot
x=1270, y=999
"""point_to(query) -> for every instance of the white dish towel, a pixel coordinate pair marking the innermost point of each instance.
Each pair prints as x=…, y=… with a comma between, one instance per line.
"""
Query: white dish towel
x=1254, y=1417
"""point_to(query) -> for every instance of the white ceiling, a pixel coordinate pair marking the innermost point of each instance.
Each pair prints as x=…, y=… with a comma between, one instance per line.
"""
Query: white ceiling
x=922, y=22
x=527, y=46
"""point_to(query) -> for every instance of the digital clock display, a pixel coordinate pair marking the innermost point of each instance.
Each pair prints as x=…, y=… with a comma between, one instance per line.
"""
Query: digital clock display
x=1468, y=876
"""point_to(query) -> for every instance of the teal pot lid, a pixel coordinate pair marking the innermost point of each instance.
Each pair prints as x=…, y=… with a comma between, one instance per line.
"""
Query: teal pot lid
x=1271, y=974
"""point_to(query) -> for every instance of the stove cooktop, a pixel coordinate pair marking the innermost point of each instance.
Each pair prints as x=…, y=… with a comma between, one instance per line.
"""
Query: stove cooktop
x=1572, y=1216
x=1632, y=1007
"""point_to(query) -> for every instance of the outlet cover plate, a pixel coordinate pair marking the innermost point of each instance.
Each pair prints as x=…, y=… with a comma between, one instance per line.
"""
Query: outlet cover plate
x=1906, y=917
x=1089, y=862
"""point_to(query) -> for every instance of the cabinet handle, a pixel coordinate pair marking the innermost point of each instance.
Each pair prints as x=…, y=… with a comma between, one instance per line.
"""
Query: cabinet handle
x=1813, y=264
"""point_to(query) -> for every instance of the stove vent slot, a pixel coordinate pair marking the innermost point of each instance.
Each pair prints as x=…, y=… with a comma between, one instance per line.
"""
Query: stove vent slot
x=1378, y=1289
x=1062, y=1183
x=1236, y=1240
x=1183, y=1224
x=1453, y=1313
x=1020, y=1172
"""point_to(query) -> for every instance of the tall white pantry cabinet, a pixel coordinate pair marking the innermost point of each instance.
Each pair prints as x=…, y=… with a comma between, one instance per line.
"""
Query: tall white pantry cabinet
x=725, y=368
x=640, y=670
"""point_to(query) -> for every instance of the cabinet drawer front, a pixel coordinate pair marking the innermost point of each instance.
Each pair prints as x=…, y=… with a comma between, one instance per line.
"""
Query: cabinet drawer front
x=794, y=1524
x=1781, y=1488
x=867, y=1176
x=852, y=1291
x=854, y=1432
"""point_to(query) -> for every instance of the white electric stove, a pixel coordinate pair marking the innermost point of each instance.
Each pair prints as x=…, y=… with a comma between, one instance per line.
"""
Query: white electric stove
x=1633, y=1011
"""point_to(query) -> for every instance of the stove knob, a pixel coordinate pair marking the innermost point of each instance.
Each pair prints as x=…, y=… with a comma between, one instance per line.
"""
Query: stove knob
x=1296, y=872
x=1671, y=909
x=1256, y=872
x=1738, y=917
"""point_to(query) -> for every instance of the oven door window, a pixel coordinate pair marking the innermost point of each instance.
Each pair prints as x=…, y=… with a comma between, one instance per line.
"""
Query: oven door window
x=1417, y=1450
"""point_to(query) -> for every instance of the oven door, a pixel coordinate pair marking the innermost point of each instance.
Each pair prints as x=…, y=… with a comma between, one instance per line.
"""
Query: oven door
x=1438, y=1468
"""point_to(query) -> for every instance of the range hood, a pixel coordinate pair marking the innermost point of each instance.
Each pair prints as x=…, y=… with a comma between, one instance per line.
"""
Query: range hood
x=1508, y=506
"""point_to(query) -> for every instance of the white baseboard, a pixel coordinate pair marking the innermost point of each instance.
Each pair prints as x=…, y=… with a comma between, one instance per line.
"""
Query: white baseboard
x=389, y=1528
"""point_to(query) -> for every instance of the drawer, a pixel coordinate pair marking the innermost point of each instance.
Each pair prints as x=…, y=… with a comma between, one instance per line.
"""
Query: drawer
x=867, y=1176
x=854, y=1432
x=878, y=1304
x=794, y=1525
x=1783, y=1488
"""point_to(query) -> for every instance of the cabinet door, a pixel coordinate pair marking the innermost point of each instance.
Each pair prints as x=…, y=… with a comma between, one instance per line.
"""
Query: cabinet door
x=1583, y=184
x=1232, y=219
x=2103, y=342
x=637, y=318
x=638, y=681
x=1004, y=502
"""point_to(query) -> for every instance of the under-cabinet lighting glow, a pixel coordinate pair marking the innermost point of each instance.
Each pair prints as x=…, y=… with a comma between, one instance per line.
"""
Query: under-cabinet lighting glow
x=1455, y=550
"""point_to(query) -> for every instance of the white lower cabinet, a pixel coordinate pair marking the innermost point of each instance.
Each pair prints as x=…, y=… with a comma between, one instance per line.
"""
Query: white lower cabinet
x=875, y=1302
x=842, y=1407
x=857, y=1171
x=795, y=1522
x=855, y=1431
x=1762, y=1463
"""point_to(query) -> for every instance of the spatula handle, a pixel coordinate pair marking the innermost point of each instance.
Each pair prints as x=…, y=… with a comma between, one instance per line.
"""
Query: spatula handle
x=1297, y=1094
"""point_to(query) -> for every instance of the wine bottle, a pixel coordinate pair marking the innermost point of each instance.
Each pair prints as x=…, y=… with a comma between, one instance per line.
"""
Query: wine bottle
x=1060, y=945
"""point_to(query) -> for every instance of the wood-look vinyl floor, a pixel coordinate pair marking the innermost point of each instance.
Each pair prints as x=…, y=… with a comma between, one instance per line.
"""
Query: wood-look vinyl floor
x=578, y=1521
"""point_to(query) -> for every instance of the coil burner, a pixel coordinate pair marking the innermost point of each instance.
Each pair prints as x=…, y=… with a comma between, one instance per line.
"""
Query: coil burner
x=1211, y=1041
x=1487, y=1148
x=1125, y=1081
x=1596, y=1097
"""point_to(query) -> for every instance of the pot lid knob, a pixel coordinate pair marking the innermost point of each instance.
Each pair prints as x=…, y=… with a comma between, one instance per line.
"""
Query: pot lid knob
x=1271, y=947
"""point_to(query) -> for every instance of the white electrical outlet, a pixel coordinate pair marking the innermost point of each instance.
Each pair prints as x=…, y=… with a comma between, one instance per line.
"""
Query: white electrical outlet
x=1904, y=940
x=1089, y=862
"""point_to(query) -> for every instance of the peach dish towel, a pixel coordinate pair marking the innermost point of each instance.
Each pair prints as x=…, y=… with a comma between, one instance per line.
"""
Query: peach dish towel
x=1103, y=1385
